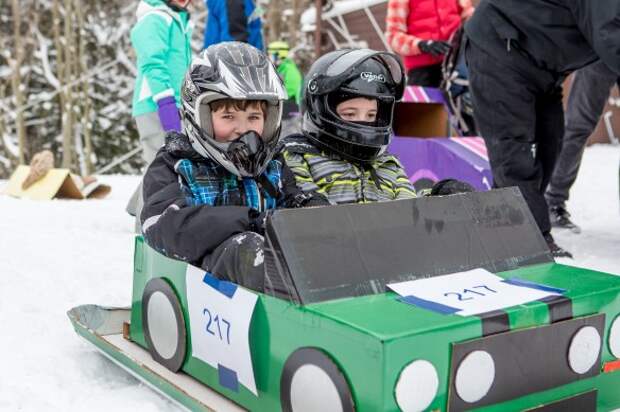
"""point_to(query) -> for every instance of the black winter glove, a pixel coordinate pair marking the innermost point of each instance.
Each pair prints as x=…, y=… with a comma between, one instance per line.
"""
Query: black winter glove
x=306, y=199
x=436, y=48
x=258, y=220
x=450, y=187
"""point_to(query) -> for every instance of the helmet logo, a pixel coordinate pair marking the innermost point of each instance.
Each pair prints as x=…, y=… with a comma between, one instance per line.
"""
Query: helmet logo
x=372, y=77
x=313, y=86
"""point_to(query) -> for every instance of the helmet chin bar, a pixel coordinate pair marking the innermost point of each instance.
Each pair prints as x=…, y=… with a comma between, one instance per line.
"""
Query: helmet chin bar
x=247, y=153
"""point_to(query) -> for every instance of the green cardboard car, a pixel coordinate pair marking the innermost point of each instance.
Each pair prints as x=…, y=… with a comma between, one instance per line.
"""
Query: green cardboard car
x=328, y=333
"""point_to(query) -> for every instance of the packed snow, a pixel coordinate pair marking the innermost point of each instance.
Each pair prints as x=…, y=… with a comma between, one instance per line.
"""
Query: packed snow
x=59, y=254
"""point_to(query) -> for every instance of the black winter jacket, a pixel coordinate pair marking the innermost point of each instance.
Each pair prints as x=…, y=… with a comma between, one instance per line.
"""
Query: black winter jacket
x=178, y=227
x=557, y=35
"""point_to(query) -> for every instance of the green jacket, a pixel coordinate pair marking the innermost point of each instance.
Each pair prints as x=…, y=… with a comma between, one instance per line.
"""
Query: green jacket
x=343, y=181
x=291, y=76
x=161, y=39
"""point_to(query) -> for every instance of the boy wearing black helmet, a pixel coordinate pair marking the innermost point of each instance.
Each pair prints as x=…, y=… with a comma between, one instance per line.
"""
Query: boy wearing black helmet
x=208, y=191
x=347, y=111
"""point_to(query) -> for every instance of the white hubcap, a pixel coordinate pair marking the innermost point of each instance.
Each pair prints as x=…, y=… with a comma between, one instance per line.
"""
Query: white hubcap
x=614, y=337
x=417, y=386
x=313, y=390
x=162, y=325
x=584, y=349
x=474, y=376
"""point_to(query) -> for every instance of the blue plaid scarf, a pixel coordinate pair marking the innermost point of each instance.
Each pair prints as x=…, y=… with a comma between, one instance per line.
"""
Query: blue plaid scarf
x=208, y=183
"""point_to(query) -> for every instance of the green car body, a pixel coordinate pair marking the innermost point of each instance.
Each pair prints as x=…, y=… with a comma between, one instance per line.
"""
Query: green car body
x=373, y=338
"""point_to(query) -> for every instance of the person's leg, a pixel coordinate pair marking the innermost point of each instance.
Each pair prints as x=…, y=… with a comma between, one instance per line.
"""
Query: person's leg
x=427, y=76
x=152, y=138
x=239, y=259
x=152, y=135
x=504, y=97
x=549, y=131
x=589, y=92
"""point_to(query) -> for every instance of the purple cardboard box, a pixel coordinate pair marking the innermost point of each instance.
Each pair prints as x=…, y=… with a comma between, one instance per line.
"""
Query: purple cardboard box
x=423, y=145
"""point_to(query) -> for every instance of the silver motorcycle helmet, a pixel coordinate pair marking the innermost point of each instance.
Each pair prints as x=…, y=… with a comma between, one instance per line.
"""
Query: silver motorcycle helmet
x=237, y=71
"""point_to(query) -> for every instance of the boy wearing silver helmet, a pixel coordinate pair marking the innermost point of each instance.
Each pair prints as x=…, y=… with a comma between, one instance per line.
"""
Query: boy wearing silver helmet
x=208, y=191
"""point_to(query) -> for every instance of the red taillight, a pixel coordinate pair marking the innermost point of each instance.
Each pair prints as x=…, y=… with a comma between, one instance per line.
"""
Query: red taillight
x=611, y=366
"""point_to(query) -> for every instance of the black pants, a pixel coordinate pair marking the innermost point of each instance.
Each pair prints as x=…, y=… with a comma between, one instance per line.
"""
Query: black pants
x=239, y=259
x=427, y=76
x=589, y=92
x=518, y=109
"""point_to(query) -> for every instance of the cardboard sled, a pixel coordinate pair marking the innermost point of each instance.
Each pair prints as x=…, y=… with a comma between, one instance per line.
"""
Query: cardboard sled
x=329, y=306
x=57, y=183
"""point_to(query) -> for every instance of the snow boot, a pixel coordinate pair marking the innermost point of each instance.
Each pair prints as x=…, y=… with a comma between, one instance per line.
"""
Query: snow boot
x=560, y=218
x=556, y=250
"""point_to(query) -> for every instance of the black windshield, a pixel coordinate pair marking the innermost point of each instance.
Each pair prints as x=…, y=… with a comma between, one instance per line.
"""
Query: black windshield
x=333, y=252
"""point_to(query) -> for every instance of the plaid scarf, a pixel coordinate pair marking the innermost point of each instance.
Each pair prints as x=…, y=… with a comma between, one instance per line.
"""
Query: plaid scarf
x=208, y=183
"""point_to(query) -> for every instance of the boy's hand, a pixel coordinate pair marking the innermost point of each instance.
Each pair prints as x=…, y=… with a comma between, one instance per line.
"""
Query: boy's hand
x=306, y=199
x=450, y=187
x=436, y=48
x=259, y=221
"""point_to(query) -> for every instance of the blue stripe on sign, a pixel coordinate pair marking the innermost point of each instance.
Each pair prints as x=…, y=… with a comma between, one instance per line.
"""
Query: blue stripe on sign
x=227, y=289
x=533, y=285
x=228, y=378
x=427, y=304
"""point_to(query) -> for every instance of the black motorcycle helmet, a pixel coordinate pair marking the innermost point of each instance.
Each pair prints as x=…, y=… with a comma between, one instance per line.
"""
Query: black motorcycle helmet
x=347, y=74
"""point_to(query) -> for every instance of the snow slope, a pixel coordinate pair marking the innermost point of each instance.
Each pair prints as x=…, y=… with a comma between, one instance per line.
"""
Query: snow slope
x=59, y=254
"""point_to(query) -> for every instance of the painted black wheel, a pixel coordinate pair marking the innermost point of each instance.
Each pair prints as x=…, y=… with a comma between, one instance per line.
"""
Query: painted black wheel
x=163, y=323
x=311, y=381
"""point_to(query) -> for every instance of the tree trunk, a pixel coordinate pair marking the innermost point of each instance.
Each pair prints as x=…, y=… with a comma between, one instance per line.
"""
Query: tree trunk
x=16, y=81
x=274, y=17
x=294, y=27
x=60, y=71
x=68, y=115
x=84, y=97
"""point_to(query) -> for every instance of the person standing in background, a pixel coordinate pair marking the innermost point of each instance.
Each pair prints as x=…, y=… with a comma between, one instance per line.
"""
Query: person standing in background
x=233, y=20
x=586, y=101
x=278, y=52
x=161, y=40
x=419, y=31
x=292, y=78
x=518, y=57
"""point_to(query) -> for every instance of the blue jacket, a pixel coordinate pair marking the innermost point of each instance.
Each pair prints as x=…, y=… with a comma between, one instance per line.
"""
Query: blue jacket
x=230, y=20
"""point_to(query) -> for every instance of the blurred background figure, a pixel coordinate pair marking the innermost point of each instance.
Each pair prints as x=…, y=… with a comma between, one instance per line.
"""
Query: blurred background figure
x=161, y=39
x=292, y=78
x=287, y=69
x=238, y=20
x=586, y=101
x=419, y=31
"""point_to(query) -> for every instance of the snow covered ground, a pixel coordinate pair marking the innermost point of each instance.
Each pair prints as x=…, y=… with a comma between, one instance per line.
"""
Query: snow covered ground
x=59, y=254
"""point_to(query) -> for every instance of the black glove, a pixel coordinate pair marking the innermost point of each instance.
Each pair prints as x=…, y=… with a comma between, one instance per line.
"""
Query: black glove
x=436, y=48
x=258, y=220
x=450, y=187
